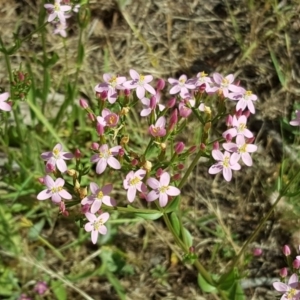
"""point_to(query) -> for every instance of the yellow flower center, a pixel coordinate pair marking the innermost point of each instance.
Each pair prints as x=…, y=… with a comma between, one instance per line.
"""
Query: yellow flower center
x=100, y=195
x=202, y=74
x=55, y=152
x=226, y=162
x=291, y=293
x=142, y=78
x=57, y=6
x=224, y=82
x=134, y=181
x=163, y=189
x=98, y=224
x=242, y=149
x=106, y=154
x=242, y=127
x=112, y=120
x=113, y=81
x=56, y=189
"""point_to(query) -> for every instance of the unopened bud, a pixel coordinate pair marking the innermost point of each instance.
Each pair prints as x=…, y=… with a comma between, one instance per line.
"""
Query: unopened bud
x=238, y=113
x=91, y=116
x=124, y=111
x=216, y=145
x=192, y=149
x=229, y=121
x=171, y=102
x=283, y=272
x=147, y=166
x=72, y=172
x=180, y=167
x=173, y=119
x=103, y=95
x=77, y=154
x=127, y=92
x=246, y=113
x=179, y=147
x=152, y=102
x=134, y=162
x=257, y=252
x=83, y=103
x=296, y=264
x=160, y=84
x=176, y=177
x=41, y=180
x=121, y=152
x=202, y=146
x=159, y=172
x=50, y=168
x=95, y=146
x=77, y=185
x=286, y=250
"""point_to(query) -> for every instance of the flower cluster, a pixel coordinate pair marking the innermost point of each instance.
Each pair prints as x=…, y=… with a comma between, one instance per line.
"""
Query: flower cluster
x=58, y=14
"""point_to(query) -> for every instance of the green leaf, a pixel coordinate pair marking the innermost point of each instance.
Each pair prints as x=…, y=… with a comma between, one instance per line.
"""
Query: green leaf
x=53, y=60
x=175, y=222
x=236, y=292
x=227, y=280
x=35, y=231
x=59, y=290
x=205, y=286
x=116, y=284
x=173, y=205
x=187, y=237
x=151, y=216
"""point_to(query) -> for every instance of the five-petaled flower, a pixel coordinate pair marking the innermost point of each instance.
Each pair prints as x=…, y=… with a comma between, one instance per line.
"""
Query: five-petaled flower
x=96, y=225
x=161, y=189
x=182, y=86
x=226, y=163
x=57, y=10
x=98, y=197
x=239, y=128
x=245, y=100
x=57, y=157
x=290, y=291
x=4, y=105
x=159, y=128
x=106, y=157
x=223, y=85
x=133, y=182
x=54, y=190
x=140, y=83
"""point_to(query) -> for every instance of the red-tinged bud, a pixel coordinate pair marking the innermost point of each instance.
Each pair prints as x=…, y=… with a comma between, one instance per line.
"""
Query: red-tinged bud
x=247, y=113
x=202, y=88
x=296, y=264
x=143, y=196
x=65, y=213
x=21, y=76
x=202, y=146
x=159, y=172
x=83, y=103
x=50, y=168
x=184, y=111
x=100, y=128
x=152, y=102
x=286, y=250
x=134, y=162
x=85, y=208
x=238, y=113
x=176, y=177
x=257, y=252
x=160, y=85
x=283, y=272
x=171, y=102
x=228, y=138
x=179, y=147
x=95, y=146
x=229, y=121
x=103, y=95
x=91, y=116
x=192, y=249
x=250, y=140
x=180, y=167
x=173, y=119
x=216, y=145
x=192, y=149
x=238, y=82
x=127, y=92
x=121, y=152
x=62, y=206
x=77, y=154
x=41, y=180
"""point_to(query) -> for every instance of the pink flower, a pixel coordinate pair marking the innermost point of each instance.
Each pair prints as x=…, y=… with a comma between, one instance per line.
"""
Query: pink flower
x=57, y=157
x=41, y=287
x=110, y=118
x=239, y=128
x=289, y=290
x=140, y=83
x=111, y=85
x=223, y=84
x=106, y=157
x=98, y=197
x=4, y=105
x=57, y=10
x=60, y=28
x=161, y=189
x=54, y=190
x=101, y=123
x=202, y=79
x=241, y=149
x=150, y=105
x=184, y=111
x=96, y=225
x=159, y=128
x=295, y=122
x=244, y=99
x=225, y=163
x=133, y=182
x=181, y=86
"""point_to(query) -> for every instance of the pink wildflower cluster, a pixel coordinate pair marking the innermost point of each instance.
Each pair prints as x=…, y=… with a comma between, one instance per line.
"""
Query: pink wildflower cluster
x=289, y=289
x=58, y=14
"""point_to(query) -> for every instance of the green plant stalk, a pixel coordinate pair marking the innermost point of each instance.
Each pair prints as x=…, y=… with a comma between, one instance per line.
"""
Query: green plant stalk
x=55, y=251
x=261, y=224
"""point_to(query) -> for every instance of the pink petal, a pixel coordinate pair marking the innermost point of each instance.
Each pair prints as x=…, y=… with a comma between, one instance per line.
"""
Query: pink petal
x=173, y=191
x=140, y=92
x=95, y=158
x=104, y=217
x=88, y=227
x=280, y=287
x=217, y=155
x=251, y=107
x=5, y=106
x=230, y=78
x=153, y=195
x=241, y=105
x=94, y=236
x=56, y=198
x=293, y=279
x=67, y=155
x=91, y=217
x=107, y=77
x=216, y=168
x=103, y=229
x=115, y=150
x=163, y=199
x=251, y=148
x=46, y=155
x=109, y=201
x=134, y=74
x=114, y=163
x=246, y=157
x=217, y=78
x=65, y=7
x=248, y=133
x=148, y=78
x=140, y=173
x=175, y=89
x=173, y=81
x=49, y=182
x=66, y=195
x=153, y=183
x=52, y=17
x=101, y=166
x=107, y=189
x=227, y=174
x=49, y=6
x=164, y=179
x=61, y=165
x=149, y=88
x=131, y=193
x=45, y=194
x=94, y=188
x=96, y=206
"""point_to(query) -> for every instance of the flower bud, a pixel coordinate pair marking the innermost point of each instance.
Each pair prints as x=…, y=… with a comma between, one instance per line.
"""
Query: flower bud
x=202, y=146
x=147, y=166
x=91, y=116
x=184, y=111
x=95, y=146
x=124, y=140
x=171, y=102
x=180, y=166
x=192, y=149
x=77, y=154
x=257, y=252
x=160, y=84
x=296, y=264
x=159, y=172
x=50, y=168
x=228, y=138
x=179, y=147
x=238, y=113
x=286, y=250
x=100, y=128
x=216, y=145
x=283, y=272
x=173, y=119
x=229, y=121
x=41, y=180
x=134, y=162
x=246, y=113
x=124, y=111
x=83, y=103
x=103, y=95
x=121, y=152
x=85, y=208
x=176, y=177
x=152, y=102
x=127, y=92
